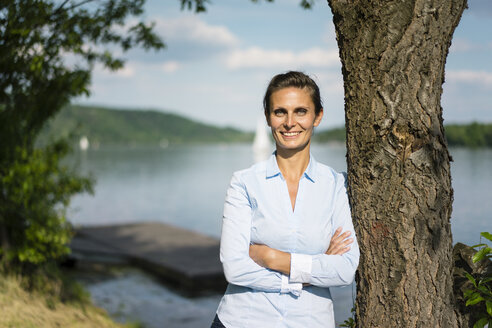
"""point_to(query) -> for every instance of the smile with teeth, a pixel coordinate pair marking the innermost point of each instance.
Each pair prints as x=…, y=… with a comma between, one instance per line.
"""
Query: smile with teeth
x=290, y=134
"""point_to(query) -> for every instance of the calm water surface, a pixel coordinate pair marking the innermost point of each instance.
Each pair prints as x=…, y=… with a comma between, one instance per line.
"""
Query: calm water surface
x=186, y=186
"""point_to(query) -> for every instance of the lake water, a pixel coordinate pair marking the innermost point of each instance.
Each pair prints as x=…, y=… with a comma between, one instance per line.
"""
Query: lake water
x=185, y=186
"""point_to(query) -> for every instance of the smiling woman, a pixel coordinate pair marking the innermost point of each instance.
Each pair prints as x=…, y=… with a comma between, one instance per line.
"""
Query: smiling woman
x=292, y=118
x=287, y=233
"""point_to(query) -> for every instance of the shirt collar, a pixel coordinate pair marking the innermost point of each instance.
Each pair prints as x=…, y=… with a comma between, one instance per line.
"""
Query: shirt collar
x=272, y=169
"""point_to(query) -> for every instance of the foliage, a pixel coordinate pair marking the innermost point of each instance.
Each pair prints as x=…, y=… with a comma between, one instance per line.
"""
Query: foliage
x=54, y=285
x=47, y=51
x=105, y=126
x=472, y=135
x=201, y=5
x=335, y=134
x=49, y=298
x=36, y=190
x=350, y=322
x=482, y=289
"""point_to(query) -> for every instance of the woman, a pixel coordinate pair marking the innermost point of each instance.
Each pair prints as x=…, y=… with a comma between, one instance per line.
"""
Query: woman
x=282, y=244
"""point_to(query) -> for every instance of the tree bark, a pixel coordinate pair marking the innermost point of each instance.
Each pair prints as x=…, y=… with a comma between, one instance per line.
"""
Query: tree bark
x=393, y=55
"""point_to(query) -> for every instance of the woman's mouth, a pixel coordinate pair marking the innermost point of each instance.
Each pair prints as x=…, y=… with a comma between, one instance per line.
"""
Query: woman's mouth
x=290, y=134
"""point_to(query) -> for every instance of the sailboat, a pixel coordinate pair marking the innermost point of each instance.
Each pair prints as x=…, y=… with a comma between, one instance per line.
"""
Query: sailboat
x=262, y=146
x=84, y=143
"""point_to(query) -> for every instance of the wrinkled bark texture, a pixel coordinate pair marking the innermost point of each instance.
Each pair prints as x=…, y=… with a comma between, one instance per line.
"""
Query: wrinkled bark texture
x=393, y=55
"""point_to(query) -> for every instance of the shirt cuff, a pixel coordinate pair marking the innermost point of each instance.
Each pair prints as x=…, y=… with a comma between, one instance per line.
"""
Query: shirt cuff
x=288, y=287
x=300, y=268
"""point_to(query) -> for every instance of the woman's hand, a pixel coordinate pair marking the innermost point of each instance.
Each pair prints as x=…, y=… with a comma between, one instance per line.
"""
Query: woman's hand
x=274, y=259
x=270, y=258
x=339, y=243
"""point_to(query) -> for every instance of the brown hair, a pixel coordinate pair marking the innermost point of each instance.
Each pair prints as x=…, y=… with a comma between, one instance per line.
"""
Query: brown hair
x=292, y=79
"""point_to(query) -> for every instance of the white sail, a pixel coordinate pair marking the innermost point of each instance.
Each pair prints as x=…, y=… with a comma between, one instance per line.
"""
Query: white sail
x=262, y=146
x=84, y=143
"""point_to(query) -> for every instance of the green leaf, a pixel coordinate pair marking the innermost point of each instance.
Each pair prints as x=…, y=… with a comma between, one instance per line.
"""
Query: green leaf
x=467, y=293
x=470, y=277
x=487, y=235
x=350, y=322
x=489, y=307
x=476, y=298
x=479, y=245
x=482, y=288
x=480, y=323
x=481, y=254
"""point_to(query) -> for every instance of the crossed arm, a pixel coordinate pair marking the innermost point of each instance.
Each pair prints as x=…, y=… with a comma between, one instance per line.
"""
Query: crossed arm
x=276, y=260
x=266, y=269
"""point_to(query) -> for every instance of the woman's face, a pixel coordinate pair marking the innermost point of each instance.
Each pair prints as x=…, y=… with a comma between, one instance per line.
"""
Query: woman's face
x=292, y=118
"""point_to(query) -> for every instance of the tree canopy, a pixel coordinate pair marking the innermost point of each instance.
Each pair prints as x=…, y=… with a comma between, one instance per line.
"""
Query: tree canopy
x=48, y=49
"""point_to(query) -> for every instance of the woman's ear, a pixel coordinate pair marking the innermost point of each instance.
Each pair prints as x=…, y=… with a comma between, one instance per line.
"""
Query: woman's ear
x=318, y=118
x=267, y=117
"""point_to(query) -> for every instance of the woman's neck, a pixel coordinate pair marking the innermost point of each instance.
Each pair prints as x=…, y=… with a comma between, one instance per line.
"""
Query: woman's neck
x=293, y=163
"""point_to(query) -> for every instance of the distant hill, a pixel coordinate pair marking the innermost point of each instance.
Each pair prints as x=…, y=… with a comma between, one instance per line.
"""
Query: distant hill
x=106, y=126
x=103, y=126
x=472, y=135
x=334, y=134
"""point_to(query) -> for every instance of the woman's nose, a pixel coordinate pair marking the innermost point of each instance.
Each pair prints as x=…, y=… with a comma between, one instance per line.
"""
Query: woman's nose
x=290, y=121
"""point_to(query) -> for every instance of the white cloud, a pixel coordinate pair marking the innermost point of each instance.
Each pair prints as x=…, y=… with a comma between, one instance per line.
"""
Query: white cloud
x=193, y=29
x=330, y=82
x=188, y=39
x=464, y=45
x=481, y=78
x=128, y=71
x=256, y=57
x=461, y=45
x=170, y=66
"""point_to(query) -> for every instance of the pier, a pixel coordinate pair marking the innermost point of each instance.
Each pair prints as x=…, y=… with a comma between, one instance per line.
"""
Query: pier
x=185, y=260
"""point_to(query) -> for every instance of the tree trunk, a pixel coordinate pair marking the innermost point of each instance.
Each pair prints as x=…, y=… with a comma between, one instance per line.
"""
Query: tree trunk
x=393, y=55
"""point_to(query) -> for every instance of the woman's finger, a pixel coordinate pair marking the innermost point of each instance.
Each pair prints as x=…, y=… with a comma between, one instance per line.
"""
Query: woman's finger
x=338, y=236
x=338, y=244
x=340, y=248
x=344, y=246
x=343, y=250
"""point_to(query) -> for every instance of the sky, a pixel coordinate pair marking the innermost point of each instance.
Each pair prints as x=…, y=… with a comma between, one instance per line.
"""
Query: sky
x=217, y=64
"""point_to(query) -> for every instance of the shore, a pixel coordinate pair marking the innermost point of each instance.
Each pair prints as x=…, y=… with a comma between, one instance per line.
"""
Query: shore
x=131, y=295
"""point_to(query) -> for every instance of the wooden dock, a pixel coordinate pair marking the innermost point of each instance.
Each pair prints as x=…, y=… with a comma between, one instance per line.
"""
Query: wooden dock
x=186, y=260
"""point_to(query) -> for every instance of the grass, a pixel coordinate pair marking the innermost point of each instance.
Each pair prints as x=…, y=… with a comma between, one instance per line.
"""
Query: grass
x=24, y=308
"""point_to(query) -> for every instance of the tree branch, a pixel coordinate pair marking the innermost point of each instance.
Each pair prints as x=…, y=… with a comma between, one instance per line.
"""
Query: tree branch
x=60, y=7
x=80, y=4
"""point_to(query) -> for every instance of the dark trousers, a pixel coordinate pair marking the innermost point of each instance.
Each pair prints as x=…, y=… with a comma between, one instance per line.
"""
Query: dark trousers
x=216, y=323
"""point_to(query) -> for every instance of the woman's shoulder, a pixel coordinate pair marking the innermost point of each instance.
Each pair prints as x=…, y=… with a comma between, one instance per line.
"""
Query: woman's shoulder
x=327, y=172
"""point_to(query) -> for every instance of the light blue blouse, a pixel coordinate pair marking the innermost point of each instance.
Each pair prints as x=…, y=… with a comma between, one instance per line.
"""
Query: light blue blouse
x=258, y=210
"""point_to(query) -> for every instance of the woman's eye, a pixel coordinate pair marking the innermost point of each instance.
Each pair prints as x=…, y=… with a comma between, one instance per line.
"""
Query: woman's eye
x=278, y=112
x=302, y=111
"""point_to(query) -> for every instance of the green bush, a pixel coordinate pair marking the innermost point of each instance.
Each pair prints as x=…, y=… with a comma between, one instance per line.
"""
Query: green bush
x=36, y=192
x=481, y=291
